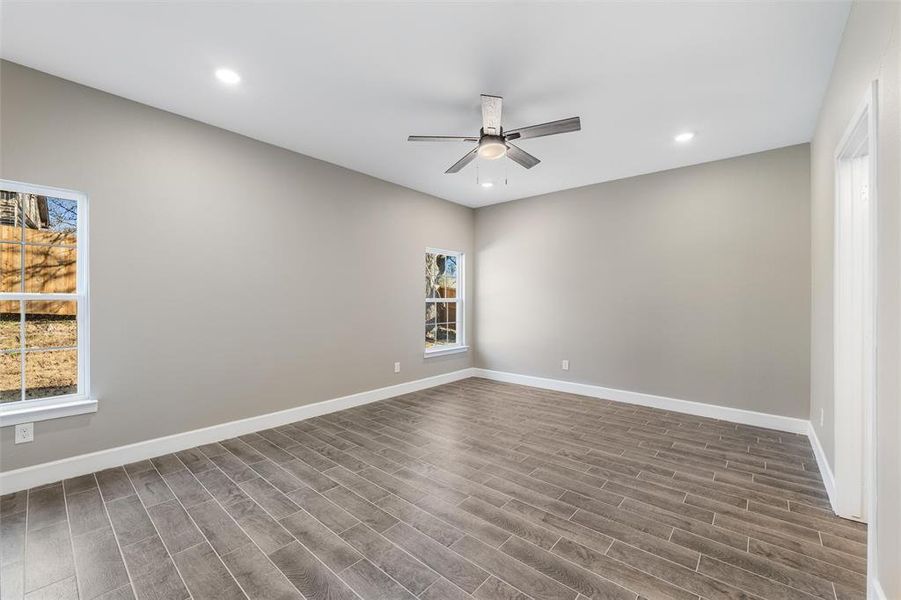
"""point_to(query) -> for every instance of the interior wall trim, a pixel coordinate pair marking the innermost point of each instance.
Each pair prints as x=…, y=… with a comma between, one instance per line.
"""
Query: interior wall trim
x=823, y=464
x=28, y=477
x=50, y=472
x=877, y=591
x=699, y=409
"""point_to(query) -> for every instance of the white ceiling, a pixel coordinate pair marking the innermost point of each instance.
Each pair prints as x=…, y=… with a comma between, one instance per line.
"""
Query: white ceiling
x=347, y=83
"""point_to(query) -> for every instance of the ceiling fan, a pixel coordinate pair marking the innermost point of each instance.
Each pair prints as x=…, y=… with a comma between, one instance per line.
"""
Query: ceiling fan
x=494, y=142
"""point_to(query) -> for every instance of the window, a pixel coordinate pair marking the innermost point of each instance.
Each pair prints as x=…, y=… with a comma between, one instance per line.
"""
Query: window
x=43, y=303
x=443, y=302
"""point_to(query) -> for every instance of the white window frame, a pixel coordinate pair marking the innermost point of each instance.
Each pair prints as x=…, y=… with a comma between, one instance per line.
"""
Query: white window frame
x=81, y=402
x=460, y=301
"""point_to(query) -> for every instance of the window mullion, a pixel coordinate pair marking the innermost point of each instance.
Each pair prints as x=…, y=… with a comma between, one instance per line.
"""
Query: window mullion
x=39, y=296
x=22, y=346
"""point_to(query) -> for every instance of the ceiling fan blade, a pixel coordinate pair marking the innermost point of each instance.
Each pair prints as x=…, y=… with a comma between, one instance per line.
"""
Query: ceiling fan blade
x=491, y=114
x=521, y=157
x=552, y=128
x=441, y=138
x=464, y=161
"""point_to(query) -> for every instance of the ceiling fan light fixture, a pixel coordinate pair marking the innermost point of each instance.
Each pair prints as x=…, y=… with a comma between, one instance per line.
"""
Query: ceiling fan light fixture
x=494, y=142
x=492, y=147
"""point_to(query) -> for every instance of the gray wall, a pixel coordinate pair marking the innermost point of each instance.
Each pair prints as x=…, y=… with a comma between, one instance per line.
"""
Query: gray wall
x=692, y=283
x=870, y=50
x=229, y=278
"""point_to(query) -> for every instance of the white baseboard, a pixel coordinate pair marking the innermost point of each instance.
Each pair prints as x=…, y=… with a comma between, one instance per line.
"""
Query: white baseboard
x=50, y=472
x=823, y=464
x=36, y=475
x=876, y=591
x=700, y=409
x=87, y=463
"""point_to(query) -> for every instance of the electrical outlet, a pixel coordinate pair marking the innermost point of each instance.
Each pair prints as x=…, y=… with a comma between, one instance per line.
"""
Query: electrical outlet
x=564, y=365
x=822, y=417
x=397, y=367
x=24, y=433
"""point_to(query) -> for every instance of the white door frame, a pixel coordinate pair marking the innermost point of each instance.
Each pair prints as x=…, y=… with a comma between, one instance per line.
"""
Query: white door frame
x=855, y=318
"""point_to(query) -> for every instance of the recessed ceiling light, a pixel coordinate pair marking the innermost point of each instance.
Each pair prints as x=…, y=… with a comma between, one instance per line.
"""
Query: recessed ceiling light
x=228, y=76
x=487, y=184
x=684, y=137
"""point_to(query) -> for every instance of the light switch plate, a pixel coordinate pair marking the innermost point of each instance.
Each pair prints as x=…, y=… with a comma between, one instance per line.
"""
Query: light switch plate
x=565, y=365
x=397, y=367
x=24, y=433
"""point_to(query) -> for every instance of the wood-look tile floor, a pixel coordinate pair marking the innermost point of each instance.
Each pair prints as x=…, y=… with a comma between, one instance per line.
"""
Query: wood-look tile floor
x=474, y=489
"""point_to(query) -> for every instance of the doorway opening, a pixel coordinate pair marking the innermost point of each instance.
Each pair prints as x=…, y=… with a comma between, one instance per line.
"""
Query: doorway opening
x=855, y=313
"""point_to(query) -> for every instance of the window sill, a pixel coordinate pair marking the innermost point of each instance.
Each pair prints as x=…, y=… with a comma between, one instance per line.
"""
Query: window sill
x=43, y=410
x=446, y=351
